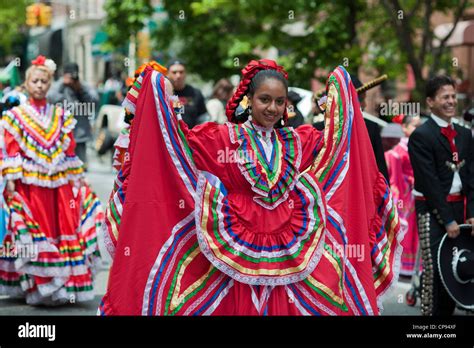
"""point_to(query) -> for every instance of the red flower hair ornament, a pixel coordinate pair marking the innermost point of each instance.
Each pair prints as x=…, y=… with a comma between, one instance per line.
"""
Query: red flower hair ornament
x=42, y=61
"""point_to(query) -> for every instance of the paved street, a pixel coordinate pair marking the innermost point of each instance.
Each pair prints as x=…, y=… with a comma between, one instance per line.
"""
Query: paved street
x=101, y=178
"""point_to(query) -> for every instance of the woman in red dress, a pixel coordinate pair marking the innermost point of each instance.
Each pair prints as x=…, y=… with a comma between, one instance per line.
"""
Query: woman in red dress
x=50, y=251
x=402, y=183
x=249, y=217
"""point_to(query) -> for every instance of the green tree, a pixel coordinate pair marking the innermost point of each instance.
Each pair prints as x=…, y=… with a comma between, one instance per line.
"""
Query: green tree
x=12, y=27
x=218, y=37
x=401, y=32
x=125, y=18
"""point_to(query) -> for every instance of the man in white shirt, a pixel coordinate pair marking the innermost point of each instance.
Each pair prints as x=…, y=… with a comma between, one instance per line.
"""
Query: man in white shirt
x=442, y=156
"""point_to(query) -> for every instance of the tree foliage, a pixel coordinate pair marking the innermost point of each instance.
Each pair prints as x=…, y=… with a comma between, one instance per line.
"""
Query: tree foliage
x=125, y=18
x=412, y=34
x=218, y=37
x=12, y=27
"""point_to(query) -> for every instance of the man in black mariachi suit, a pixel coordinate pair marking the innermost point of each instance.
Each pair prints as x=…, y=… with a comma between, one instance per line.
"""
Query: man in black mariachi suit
x=442, y=156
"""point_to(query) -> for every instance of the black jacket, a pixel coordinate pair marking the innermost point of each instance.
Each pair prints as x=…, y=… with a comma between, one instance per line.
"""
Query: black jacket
x=376, y=139
x=296, y=120
x=429, y=151
x=193, y=105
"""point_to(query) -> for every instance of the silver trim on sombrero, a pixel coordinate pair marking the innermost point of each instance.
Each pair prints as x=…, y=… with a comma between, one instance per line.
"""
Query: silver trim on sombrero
x=427, y=278
x=454, y=263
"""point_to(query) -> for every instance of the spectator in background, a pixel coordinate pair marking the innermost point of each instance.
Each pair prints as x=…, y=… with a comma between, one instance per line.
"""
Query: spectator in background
x=113, y=87
x=222, y=92
x=402, y=183
x=191, y=99
x=295, y=117
x=79, y=99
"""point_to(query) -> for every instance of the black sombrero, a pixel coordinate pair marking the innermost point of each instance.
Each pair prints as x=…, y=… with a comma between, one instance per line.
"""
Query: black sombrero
x=456, y=266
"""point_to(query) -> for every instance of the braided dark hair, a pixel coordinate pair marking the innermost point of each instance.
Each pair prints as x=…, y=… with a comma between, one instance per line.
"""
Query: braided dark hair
x=263, y=75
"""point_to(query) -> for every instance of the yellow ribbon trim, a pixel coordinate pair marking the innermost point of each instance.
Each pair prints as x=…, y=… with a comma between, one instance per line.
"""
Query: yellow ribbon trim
x=177, y=300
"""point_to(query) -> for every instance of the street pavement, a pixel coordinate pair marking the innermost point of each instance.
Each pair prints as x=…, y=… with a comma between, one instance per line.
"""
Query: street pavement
x=101, y=178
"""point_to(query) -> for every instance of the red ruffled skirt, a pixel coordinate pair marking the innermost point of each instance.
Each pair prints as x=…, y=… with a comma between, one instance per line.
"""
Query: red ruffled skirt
x=52, y=249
